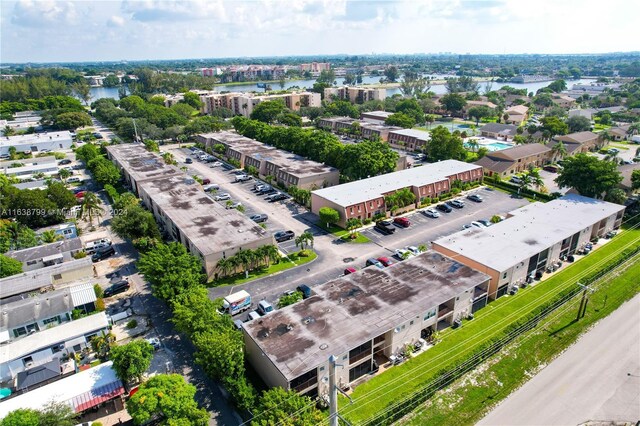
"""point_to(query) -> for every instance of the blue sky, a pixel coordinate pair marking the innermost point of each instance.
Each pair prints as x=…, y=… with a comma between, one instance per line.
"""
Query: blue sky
x=50, y=31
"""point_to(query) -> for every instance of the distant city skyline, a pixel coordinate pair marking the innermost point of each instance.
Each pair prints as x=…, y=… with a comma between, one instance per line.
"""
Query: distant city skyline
x=82, y=31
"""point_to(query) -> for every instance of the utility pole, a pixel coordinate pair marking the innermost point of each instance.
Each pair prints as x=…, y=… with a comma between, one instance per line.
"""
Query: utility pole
x=333, y=393
x=582, y=309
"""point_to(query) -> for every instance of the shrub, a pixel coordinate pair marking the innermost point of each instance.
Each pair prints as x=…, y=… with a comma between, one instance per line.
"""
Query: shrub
x=378, y=217
x=100, y=305
x=456, y=191
x=98, y=290
x=80, y=255
x=366, y=221
x=132, y=324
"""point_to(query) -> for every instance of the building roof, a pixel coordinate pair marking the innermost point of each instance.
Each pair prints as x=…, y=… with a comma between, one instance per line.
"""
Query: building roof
x=517, y=110
x=49, y=159
x=31, y=168
x=578, y=137
x=209, y=226
x=36, y=308
x=569, y=146
x=39, y=374
x=350, y=310
x=37, y=184
x=379, y=115
x=40, y=278
x=348, y=194
x=587, y=113
x=505, y=129
x=495, y=164
x=480, y=103
x=141, y=164
x=519, y=151
x=528, y=231
x=65, y=390
x=620, y=131
x=626, y=170
x=414, y=133
x=39, y=252
x=48, y=137
x=51, y=336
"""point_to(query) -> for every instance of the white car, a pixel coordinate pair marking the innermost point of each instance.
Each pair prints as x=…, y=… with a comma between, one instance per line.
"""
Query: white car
x=403, y=254
x=222, y=197
x=216, y=164
x=234, y=205
x=431, y=213
x=478, y=224
x=413, y=249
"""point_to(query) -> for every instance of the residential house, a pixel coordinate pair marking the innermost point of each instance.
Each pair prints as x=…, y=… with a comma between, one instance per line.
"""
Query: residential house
x=563, y=101
x=517, y=115
x=626, y=170
x=47, y=254
x=37, y=142
x=66, y=230
x=531, y=239
x=515, y=160
x=619, y=133
x=585, y=112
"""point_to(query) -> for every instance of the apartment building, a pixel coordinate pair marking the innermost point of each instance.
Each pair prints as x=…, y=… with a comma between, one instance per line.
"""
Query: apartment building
x=563, y=101
x=368, y=129
x=335, y=123
x=355, y=95
x=409, y=139
x=315, y=67
x=517, y=115
x=531, y=239
x=580, y=142
x=515, y=160
x=28, y=171
x=214, y=101
x=503, y=132
x=375, y=117
x=36, y=142
x=47, y=254
x=286, y=168
x=43, y=279
x=208, y=230
x=244, y=104
x=471, y=104
x=364, y=199
x=363, y=319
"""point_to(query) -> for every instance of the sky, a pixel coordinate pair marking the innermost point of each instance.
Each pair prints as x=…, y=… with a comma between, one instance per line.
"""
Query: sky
x=65, y=31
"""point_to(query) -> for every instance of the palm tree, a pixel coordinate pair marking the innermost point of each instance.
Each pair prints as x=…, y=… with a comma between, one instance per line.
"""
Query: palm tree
x=304, y=239
x=473, y=145
x=12, y=230
x=245, y=259
x=612, y=156
x=558, y=150
x=352, y=225
x=422, y=248
x=91, y=207
x=64, y=174
x=525, y=182
x=272, y=253
x=534, y=178
x=224, y=265
x=50, y=236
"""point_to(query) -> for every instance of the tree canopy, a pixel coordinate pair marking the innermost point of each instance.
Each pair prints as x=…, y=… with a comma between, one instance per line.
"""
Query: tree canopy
x=445, y=145
x=590, y=176
x=286, y=408
x=267, y=111
x=130, y=361
x=328, y=215
x=9, y=266
x=400, y=119
x=578, y=123
x=453, y=102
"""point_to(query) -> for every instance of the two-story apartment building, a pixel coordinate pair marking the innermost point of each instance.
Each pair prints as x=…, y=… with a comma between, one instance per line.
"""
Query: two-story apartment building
x=580, y=142
x=530, y=239
x=375, y=117
x=47, y=254
x=363, y=319
x=517, y=114
x=504, y=132
x=364, y=199
x=36, y=142
x=409, y=139
x=515, y=160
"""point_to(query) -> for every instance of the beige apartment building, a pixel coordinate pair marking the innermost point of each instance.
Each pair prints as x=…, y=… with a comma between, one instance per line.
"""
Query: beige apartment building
x=355, y=95
x=531, y=239
x=515, y=160
x=364, y=199
x=363, y=319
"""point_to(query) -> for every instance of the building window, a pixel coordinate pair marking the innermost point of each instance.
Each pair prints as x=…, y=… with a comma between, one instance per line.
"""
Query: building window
x=430, y=314
x=504, y=275
x=57, y=276
x=77, y=348
x=27, y=361
x=52, y=320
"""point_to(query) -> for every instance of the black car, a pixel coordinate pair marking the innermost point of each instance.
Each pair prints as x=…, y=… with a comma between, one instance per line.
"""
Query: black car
x=188, y=160
x=475, y=197
x=444, y=208
x=385, y=227
x=276, y=197
x=119, y=287
x=259, y=218
x=65, y=161
x=103, y=254
x=305, y=290
x=281, y=236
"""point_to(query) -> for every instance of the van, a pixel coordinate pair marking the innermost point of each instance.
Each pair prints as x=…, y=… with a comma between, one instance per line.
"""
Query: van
x=264, y=307
x=73, y=179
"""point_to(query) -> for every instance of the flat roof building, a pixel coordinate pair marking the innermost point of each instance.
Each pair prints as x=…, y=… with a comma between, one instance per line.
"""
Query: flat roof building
x=376, y=117
x=26, y=172
x=363, y=319
x=364, y=198
x=186, y=213
x=286, y=168
x=531, y=239
x=47, y=254
x=36, y=142
x=409, y=139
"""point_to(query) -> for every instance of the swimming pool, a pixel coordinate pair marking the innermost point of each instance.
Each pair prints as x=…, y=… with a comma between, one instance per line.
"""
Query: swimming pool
x=493, y=146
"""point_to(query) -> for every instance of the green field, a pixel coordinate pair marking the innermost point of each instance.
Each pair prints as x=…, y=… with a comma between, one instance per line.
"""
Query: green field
x=491, y=322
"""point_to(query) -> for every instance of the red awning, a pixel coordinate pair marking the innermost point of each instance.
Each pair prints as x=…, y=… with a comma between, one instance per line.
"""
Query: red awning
x=97, y=396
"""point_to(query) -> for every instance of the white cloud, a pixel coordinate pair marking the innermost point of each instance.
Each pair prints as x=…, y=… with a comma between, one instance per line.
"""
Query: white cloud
x=116, y=21
x=30, y=13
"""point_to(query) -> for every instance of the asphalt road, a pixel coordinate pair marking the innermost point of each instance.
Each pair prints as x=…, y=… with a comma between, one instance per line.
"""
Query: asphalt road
x=598, y=378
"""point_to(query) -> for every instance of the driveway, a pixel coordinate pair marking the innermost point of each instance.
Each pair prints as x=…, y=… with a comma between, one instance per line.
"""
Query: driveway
x=598, y=378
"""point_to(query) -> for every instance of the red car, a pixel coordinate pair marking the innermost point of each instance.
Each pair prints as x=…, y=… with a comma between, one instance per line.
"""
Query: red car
x=402, y=221
x=80, y=194
x=385, y=261
x=349, y=270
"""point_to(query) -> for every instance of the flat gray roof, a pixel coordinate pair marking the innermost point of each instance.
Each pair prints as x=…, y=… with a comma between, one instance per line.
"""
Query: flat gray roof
x=141, y=164
x=208, y=225
x=37, y=253
x=48, y=137
x=529, y=231
x=414, y=133
x=49, y=159
x=377, y=114
x=353, y=309
x=35, y=168
x=39, y=278
x=348, y=194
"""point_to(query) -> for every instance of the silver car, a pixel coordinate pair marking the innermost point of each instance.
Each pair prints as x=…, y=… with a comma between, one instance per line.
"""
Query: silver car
x=222, y=197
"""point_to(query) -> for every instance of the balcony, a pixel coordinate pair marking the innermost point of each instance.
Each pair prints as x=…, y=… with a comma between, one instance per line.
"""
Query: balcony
x=306, y=385
x=444, y=311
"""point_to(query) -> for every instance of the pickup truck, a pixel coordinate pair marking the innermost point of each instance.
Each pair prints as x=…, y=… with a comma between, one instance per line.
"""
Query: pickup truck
x=385, y=227
x=243, y=178
x=97, y=244
x=236, y=302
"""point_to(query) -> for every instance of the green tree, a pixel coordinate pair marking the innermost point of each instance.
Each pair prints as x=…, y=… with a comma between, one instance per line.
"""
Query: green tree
x=480, y=112
x=130, y=361
x=192, y=99
x=9, y=266
x=22, y=417
x=289, y=299
x=616, y=195
x=412, y=108
x=287, y=408
x=111, y=81
x=342, y=108
x=103, y=344
x=104, y=171
x=170, y=270
x=304, y=240
x=289, y=119
x=71, y=120
x=328, y=215
x=578, y=123
x=194, y=312
x=267, y=111
x=554, y=126
x=220, y=353
x=326, y=77
x=558, y=86
x=400, y=119
x=445, y=145
x=184, y=110
x=635, y=180
x=91, y=207
x=353, y=224
x=134, y=222
x=64, y=174
x=50, y=236
x=57, y=414
x=36, y=200
x=590, y=176
x=559, y=151
x=167, y=396
x=391, y=73
x=453, y=102
x=60, y=195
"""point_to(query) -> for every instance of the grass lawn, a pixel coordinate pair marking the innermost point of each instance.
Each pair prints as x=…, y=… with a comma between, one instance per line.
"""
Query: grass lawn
x=489, y=323
x=463, y=404
x=360, y=239
x=289, y=262
x=600, y=127
x=343, y=234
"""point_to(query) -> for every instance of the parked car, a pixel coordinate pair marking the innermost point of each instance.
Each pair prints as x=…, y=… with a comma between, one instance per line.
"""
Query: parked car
x=413, y=249
x=64, y=161
x=264, y=307
x=467, y=226
x=458, y=204
x=243, y=178
x=385, y=227
x=431, y=212
x=257, y=186
x=206, y=181
x=552, y=169
x=103, y=254
x=253, y=315
x=305, y=290
x=374, y=262
x=278, y=196
x=402, y=221
x=475, y=198
x=403, y=254
x=516, y=180
x=216, y=164
x=238, y=324
x=385, y=261
x=477, y=224
x=444, y=208
x=485, y=222
x=188, y=160
x=259, y=218
x=119, y=287
x=281, y=236
x=233, y=205
x=222, y=197
x=267, y=190
x=155, y=342
x=211, y=187
x=349, y=270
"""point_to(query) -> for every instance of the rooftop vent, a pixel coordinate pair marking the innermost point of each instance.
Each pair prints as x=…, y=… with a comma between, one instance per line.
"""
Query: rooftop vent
x=323, y=346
